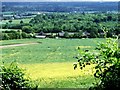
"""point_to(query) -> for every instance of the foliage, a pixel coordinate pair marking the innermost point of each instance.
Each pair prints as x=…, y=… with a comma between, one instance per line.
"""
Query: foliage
x=89, y=24
x=81, y=25
x=108, y=68
x=21, y=22
x=78, y=35
x=10, y=21
x=66, y=35
x=13, y=78
x=27, y=29
x=107, y=60
x=8, y=35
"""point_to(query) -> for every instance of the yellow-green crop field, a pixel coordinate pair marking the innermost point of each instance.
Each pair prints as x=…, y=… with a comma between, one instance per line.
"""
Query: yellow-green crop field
x=50, y=62
x=56, y=70
x=60, y=75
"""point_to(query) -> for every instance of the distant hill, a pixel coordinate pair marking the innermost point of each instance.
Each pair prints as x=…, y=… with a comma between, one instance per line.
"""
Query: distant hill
x=59, y=6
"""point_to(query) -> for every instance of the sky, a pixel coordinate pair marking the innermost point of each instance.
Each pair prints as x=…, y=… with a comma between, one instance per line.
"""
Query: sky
x=51, y=0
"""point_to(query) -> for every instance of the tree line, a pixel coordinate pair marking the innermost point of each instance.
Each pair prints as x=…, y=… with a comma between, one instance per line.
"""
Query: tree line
x=82, y=25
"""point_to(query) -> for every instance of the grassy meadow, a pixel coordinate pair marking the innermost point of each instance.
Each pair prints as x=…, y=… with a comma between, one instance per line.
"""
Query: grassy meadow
x=16, y=21
x=50, y=62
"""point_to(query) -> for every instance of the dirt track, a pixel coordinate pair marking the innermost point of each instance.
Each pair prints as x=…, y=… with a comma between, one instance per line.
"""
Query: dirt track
x=17, y=45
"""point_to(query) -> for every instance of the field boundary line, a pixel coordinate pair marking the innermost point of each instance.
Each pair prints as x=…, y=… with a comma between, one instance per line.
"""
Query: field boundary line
x=17, y=45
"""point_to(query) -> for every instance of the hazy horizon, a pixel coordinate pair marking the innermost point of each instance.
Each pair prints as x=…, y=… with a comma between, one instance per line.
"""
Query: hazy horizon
x=60, y=0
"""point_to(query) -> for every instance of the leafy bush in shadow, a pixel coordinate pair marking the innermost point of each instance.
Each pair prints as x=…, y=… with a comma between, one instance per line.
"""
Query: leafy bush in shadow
x=106, y=56
x=13, y=78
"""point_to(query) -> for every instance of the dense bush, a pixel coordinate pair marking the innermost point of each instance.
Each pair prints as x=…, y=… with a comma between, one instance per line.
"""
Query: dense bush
x=107, y=60
x=108, y=67
x=27, y=29
x=13, y=78
x=8, y=35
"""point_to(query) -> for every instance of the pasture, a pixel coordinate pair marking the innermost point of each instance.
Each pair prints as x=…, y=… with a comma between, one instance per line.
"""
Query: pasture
x=9, y=30
x=50, y=62
x=16, y=21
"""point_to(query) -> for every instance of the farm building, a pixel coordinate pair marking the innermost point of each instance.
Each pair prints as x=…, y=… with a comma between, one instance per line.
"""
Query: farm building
x=61, y=34
x=41, y=35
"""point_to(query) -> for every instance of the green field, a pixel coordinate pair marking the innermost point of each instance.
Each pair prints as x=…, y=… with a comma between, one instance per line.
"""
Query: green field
x=49, y=50
x=16, y=21
x=9, y=30
x=50, y=62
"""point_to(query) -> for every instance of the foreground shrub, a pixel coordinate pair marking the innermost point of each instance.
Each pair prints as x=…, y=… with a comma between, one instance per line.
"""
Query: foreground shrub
x=107, y=60
x=13, y=78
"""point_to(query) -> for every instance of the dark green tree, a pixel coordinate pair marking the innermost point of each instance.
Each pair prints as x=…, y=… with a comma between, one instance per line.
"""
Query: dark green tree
x=27, y=29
